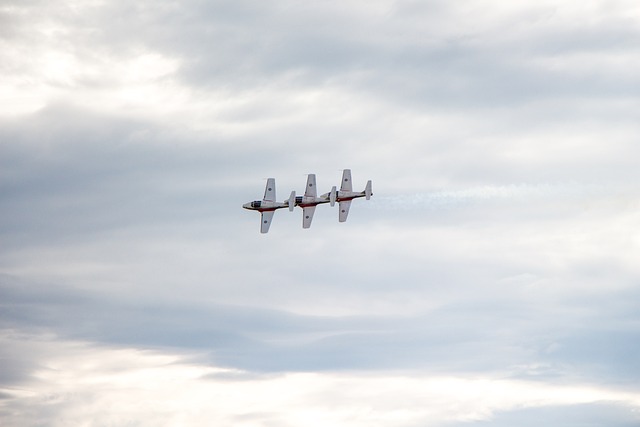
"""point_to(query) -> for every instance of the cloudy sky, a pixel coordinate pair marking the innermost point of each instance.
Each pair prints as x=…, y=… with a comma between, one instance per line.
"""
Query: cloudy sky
x=492, y=280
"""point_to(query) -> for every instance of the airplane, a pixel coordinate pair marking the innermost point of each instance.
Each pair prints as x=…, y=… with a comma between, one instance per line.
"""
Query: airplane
x=346, y=195
x=268, y=205
x=310, y=200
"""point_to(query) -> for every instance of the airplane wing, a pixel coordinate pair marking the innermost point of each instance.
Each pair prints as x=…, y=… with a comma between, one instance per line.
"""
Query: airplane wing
x=311, y=191
x=344, y=210
x=346, y=181
x=270, y=190
x=307, y=216
x=265, y=220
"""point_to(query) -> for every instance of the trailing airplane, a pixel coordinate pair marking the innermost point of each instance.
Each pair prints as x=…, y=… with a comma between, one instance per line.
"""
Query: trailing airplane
x=268, y=205
x=346, y=195
x=310, y=200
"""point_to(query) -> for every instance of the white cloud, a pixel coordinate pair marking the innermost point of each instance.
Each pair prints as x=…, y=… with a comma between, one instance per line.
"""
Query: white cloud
x=78, y=383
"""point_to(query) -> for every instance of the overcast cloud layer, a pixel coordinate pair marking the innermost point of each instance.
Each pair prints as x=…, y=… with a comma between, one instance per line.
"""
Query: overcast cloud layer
x=492, y=279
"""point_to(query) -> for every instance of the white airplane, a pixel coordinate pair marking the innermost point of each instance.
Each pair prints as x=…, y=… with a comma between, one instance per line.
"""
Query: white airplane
x=268, y=205
x=346, y=195
x=310, y=200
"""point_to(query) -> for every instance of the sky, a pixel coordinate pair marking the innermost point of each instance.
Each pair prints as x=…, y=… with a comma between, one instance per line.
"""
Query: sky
x=491, y=280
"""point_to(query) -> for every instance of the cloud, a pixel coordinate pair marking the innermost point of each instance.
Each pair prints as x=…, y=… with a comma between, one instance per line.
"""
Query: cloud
x=496, y=254
x=79, y=381
x=613, y=414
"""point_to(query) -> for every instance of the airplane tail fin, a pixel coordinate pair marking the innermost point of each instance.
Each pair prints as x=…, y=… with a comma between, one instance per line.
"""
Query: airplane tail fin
x=333, y=195
x=367, y=190
x=292, y=201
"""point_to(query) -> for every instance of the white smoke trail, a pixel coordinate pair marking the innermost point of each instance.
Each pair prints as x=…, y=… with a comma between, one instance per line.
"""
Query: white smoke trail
x=513, y=193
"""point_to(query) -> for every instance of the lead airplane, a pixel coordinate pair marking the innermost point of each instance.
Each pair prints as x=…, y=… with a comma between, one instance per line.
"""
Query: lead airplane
x=346, y=195
x=268, y=205
x=310, y=200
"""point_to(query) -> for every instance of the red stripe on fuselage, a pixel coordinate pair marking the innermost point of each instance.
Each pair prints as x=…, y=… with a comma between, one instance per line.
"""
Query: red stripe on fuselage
x=346, y=199
x=307, y=205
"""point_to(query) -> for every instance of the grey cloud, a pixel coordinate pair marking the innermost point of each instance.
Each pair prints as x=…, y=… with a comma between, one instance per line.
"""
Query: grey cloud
x=602, y=351
x=68, y=172
x=586, y=415
x=245, y=44
x=497, y=334
x=497, y=243
x=465, y=69
x=511, y=100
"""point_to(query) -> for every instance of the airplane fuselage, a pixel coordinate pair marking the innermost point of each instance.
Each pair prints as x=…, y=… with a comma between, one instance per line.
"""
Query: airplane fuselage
x=305, y=202
x=265, y=206
x=343, y=196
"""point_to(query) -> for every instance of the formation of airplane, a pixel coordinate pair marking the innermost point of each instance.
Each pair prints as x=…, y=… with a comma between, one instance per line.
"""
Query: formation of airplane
x=308, y=202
